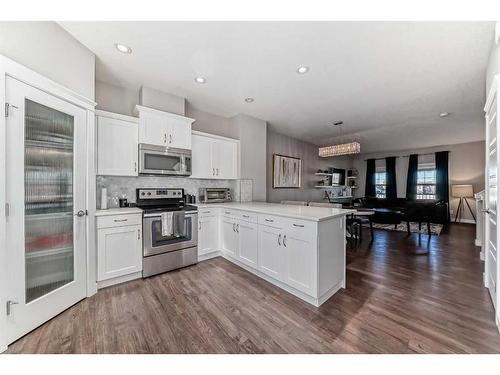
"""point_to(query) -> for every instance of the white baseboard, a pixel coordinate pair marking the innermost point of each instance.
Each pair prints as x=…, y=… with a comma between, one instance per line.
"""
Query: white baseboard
x=208, y=256
x=119, y=280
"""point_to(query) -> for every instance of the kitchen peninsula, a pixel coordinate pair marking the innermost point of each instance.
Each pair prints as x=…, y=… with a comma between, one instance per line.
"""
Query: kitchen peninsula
x=300, y=249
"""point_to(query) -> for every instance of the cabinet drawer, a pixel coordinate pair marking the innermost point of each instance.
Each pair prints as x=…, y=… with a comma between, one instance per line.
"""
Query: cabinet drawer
x=301, y=227
x=229, y=213
x=247, y=216
x=207, y=212
x=118, y=220
x=272, y=221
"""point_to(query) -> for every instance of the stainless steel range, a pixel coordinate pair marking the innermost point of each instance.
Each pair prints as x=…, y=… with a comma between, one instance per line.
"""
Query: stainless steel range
x=170, y=230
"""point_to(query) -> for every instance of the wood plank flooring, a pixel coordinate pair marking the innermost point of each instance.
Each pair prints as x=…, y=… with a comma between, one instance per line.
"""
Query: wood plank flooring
x=395, y=302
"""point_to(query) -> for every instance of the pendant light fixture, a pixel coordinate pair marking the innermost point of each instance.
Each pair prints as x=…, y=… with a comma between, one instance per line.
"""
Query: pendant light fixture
x=340, y=149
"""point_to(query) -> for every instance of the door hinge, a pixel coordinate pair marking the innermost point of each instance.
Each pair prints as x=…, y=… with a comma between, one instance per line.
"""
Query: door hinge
x=7, y=210
x=7, y=106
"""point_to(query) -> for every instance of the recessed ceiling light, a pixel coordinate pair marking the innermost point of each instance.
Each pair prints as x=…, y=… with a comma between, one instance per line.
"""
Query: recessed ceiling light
x=444, y=114
x=123, y=48
x=249, y=100
x=200, y=80
x=302, y=69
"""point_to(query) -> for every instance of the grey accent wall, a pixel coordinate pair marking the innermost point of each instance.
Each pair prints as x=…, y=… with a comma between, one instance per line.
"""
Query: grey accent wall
x=311, y=162
x=49, y=50
x=252, y=133
x=467, y=164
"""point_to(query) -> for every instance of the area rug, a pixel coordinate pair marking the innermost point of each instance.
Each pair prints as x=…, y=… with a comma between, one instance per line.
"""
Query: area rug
x=435, y=228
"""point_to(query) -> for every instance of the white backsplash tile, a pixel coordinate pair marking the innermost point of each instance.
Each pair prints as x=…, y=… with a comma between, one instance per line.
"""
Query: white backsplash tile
x=126, y=186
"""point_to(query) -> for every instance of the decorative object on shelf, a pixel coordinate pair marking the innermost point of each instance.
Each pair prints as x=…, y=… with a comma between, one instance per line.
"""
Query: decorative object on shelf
x=286, y=172
x=340, y=149
x=463, y=192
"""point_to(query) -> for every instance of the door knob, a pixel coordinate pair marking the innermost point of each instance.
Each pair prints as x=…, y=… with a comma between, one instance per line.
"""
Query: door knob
x=81, y=213
x=486, y=211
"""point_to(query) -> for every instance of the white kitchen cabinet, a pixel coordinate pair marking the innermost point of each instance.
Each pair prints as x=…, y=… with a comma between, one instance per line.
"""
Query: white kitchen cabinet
x=119, y=247
x=229, y=237
x=201, y=157
x=248, y=234
x=300, y=260
x=207, y=235
x=163, y=128
x=117, y=144
x=271, y=251
x=214, y=157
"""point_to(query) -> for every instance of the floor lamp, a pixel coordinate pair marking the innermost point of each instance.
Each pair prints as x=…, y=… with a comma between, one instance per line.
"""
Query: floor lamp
x=463, y=192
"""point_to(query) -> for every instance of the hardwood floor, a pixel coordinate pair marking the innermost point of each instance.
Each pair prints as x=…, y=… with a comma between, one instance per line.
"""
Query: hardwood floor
x=395, y=302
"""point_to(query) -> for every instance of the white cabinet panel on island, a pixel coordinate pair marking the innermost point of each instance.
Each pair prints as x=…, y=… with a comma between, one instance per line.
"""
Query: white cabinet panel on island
x=248, y=235
x=229, y=237
x=271, y=251
x=117, y=141
x=163, y=128
x=119, y=246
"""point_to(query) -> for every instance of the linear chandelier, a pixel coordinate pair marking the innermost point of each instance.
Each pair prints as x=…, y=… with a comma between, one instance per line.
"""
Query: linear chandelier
x=340, y=149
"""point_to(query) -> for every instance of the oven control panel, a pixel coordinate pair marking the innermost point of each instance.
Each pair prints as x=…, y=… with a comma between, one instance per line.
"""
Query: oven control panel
x=160, y=193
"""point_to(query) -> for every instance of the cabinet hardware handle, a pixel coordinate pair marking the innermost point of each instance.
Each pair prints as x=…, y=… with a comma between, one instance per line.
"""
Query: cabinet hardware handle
x=279, y=239
x=246, y=216
x=120, y=220
x=138, y=234
x=234, y=224
x=206, y=212
x=299, y=225
x=199, y=225
x=135, y=166
x=269, y=220
x=217, y=169
x=213, y=171
x=227, y=212
x=170, y=137
x=238, y=228
x=10, y=304
x=284, y=240
x=165, y=138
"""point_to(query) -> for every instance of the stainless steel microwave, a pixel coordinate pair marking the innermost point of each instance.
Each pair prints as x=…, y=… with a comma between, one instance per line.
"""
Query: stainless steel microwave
x=164, y=160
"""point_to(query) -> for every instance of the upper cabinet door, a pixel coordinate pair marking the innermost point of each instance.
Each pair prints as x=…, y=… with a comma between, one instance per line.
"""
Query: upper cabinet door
x=179, y=133
x=225, y=159
x=117, y=142
x=201, y=157
x=163, y=129
x=153, y=129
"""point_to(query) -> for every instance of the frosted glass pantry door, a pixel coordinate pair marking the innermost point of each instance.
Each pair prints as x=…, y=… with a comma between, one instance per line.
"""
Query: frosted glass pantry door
x=46, y=154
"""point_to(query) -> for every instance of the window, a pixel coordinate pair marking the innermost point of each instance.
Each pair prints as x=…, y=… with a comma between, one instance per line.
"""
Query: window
x=426, y=183
x=380, y=184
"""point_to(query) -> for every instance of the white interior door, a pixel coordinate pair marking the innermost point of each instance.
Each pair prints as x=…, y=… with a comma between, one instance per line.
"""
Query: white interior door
x=45, y=189
x=491, y=201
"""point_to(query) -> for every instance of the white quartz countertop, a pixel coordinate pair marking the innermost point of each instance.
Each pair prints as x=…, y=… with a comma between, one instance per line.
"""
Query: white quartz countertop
x=118, y=211
x=296, y=212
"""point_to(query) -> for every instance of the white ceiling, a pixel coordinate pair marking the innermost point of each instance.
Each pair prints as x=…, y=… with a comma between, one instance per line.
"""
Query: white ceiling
x=388, y=81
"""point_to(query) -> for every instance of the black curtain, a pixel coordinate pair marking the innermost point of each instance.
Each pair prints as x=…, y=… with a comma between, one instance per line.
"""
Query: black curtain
x=390, y=173
x=370, y=178
x=442, y=187
x=411, y=181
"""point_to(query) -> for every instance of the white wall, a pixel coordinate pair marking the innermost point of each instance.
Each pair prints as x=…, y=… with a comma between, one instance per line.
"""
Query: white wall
x=115, y=99
x=211, y=123
x=493, y=62
x=49, y=50
x=311, y=162
x=252, y=133
x=467, y=163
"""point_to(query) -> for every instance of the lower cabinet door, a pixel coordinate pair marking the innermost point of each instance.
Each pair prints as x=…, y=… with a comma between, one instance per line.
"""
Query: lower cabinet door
x=270, y=251
x=119, y=251
x=249, y=244
x=300, y=258
x=207, y=235
x=229, y=240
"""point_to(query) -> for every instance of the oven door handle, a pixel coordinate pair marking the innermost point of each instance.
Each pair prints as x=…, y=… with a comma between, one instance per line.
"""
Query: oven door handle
x=186, y=214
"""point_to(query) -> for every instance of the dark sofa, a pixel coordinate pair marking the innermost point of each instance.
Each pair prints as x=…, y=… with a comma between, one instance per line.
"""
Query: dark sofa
x=420, y=211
